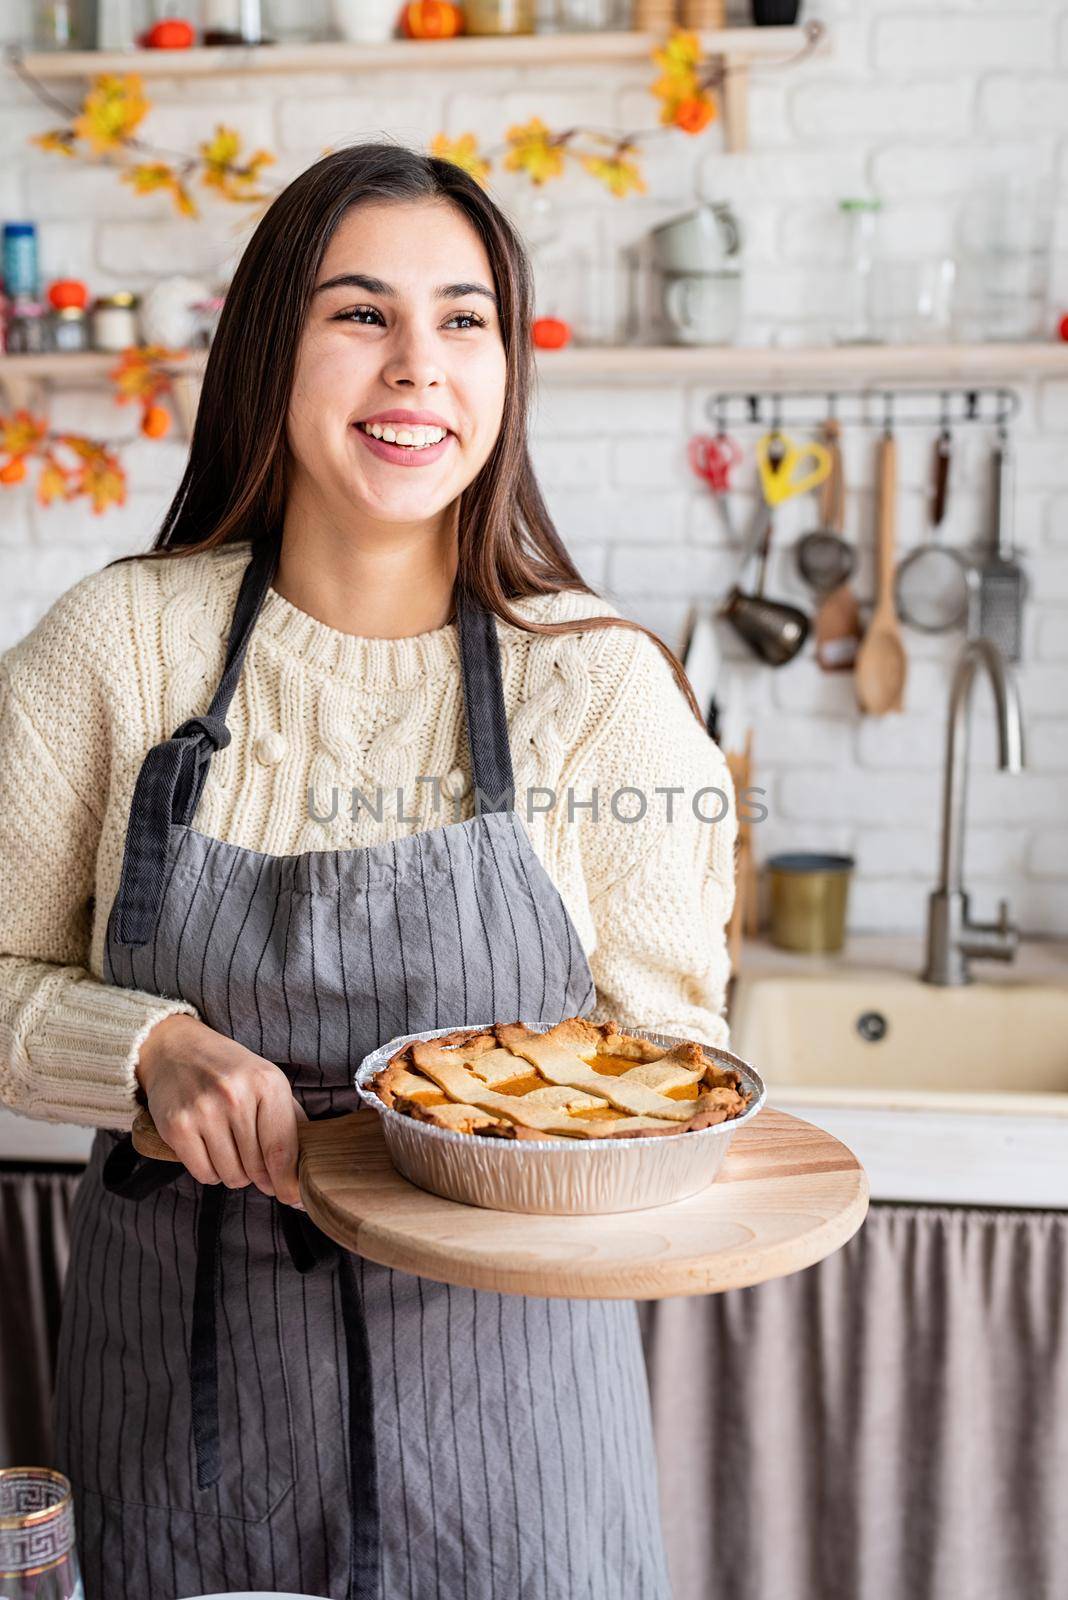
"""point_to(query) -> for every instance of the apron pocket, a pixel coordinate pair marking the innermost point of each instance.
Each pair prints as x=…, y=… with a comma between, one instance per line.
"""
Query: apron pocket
x=153, y=1375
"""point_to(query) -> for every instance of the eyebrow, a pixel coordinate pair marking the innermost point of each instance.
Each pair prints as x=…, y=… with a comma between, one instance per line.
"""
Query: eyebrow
x=444, y=291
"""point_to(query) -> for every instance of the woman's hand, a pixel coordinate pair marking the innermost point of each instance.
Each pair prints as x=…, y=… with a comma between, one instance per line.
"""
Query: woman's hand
x=228, y=1115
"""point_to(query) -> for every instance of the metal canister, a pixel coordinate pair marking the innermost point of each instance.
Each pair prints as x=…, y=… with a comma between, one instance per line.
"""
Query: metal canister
x=809, y=894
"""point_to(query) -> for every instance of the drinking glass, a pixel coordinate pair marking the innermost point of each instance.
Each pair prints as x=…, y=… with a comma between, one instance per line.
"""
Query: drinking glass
x=38, y=1559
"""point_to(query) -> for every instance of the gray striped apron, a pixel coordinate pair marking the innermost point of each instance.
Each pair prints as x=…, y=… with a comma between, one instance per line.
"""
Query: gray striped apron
x=240, y=1404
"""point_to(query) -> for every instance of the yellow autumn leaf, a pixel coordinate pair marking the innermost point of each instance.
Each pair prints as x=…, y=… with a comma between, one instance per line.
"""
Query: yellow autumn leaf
x=113, y=110
x=223, y=167
x=52, y=482
x=21, y=433
x=462, y=152
x=139, y=374
x=532, y=150
x=147, y=176
x=681, y=52
x=619, y=173
x=102, y=480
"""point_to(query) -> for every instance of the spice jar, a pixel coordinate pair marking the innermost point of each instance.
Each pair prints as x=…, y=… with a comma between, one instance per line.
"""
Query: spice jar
x=499, y=16
x=70, y=328
x=114, y=321
x=27, y=329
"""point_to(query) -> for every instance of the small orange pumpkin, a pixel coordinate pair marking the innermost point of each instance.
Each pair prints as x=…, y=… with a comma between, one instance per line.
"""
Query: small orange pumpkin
x=170, y=33
x=550, y=333
x=431, y=19
x=66, y=292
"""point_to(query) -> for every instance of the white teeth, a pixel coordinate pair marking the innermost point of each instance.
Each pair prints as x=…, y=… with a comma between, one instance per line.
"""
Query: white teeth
x=416, y=437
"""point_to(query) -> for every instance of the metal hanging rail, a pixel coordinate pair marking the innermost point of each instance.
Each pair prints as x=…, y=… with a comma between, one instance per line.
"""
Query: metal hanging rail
x=864, y=408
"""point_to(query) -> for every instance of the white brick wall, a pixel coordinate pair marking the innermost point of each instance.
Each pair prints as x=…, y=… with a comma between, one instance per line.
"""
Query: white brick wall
x=915, y=102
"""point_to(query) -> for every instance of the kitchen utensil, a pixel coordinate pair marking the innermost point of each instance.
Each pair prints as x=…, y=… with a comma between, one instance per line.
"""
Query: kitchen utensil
x=823, y=558
x=714, y=459
x=997, y=607
x=809, y=892
x=933, y=582
x=772, y=629
x=784, y=469
x=881, y=665
x=838, y=629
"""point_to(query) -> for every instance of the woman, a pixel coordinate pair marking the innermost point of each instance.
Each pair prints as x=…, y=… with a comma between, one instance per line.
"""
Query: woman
x=331, y=612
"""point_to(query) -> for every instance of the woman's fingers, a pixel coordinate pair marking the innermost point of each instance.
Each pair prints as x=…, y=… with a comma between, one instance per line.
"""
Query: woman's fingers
x=193, y=1154
x=244, y=1127
x=276, y=1122
x=223, y=1154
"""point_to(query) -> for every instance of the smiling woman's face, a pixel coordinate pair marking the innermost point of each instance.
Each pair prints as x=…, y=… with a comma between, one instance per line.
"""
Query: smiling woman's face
x=403, y=320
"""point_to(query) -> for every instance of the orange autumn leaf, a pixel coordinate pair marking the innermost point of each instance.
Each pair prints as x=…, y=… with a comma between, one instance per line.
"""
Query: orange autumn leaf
x=13, y=471
x=148, y=177
x=694, y=114
x=21, y=432
x=113, y=110
x=462, y=152
x=139, y=374
x=60, y=141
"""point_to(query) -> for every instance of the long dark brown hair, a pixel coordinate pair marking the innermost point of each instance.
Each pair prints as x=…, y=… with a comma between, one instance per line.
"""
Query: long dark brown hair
x=235, y=481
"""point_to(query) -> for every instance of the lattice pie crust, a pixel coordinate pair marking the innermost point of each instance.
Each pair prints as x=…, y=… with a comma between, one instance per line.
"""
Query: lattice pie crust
x=577, y=1080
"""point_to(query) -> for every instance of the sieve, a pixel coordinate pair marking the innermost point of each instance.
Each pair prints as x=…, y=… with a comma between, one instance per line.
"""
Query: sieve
x=933, y=584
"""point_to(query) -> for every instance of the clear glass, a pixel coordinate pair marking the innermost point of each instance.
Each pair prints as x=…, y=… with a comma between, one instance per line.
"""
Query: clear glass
x=298, y=21
x=38, y=1558
x=860, y=222
x=604, y=312
x=64, y=24
x=1005, y=236
x=912, y=301
x=499, y=16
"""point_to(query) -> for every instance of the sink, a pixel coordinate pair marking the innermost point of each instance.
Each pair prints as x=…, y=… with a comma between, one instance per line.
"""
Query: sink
x=944, y=1094
x=878, y=1038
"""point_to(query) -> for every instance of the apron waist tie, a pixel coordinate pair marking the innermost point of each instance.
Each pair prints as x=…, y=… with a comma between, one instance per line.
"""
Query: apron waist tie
x=132, y=1176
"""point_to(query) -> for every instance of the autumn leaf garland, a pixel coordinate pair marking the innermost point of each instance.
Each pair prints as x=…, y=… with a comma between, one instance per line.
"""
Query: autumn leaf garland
x=106, y=128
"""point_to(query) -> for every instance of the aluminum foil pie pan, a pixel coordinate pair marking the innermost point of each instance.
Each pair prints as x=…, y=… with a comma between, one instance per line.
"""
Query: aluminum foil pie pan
x=564, y=1177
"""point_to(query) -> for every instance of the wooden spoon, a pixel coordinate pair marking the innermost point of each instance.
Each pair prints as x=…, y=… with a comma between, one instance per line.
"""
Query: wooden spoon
x=881, y=665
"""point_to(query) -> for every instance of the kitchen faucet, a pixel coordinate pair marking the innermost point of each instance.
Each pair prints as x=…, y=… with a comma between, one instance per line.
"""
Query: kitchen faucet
x=951, y=937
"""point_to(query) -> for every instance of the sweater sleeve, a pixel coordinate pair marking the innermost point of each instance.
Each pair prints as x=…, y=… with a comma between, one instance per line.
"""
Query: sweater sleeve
x=69, y=1042
x=660, y=887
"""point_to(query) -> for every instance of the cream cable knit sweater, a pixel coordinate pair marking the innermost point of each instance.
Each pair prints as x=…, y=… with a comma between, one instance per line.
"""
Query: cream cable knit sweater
x=129, y=652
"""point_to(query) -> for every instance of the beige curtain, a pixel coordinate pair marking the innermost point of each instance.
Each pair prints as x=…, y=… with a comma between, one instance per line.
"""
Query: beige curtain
x=891, y=1424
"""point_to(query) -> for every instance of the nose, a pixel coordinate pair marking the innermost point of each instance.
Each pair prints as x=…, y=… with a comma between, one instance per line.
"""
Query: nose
x=412, y=361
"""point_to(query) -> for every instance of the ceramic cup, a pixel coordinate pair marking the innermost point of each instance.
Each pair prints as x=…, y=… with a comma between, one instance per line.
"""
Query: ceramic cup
x=366, y=21
x=707, y=239
x=703, y=307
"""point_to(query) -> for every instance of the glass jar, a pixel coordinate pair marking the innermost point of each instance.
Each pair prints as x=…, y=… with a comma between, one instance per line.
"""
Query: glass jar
x=499, y=16
x=26, y=333
x=38, y=1558
x=114, y=324
x=64, y=24
x=856, y=325
x=69, y=329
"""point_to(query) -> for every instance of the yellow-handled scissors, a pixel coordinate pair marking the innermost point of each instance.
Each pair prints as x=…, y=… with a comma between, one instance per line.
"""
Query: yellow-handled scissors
x=787, y=468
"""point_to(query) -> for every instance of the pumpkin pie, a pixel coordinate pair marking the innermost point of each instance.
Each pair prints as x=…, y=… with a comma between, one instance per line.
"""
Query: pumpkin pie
x=577, y=1080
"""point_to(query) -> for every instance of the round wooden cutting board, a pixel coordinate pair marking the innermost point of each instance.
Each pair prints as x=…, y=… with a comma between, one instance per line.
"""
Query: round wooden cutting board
x=787, y=1195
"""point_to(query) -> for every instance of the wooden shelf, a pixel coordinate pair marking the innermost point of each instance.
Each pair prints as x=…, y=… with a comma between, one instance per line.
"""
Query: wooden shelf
x=506, y=50
x=849, y=366
x=853, y=366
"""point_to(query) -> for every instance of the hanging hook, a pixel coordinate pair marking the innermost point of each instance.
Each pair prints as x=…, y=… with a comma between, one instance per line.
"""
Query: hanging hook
x=754, y=407
x=832, y=407
x=972, y=401
x=776, y=413
x=888, y=412
x=721, y=416
x=945, y=412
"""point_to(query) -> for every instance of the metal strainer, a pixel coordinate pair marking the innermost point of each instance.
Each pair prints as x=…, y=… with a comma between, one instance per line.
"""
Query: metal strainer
x=933, y=583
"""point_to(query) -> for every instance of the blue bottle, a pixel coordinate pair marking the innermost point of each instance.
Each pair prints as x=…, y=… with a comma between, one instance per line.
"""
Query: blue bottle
x=21, y=280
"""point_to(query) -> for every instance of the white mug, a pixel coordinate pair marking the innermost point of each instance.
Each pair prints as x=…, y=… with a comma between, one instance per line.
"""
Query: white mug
x=367, y=21
x=704, y=307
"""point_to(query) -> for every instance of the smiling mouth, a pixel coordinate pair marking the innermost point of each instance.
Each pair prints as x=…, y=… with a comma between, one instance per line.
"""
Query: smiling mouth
x=416, y=438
